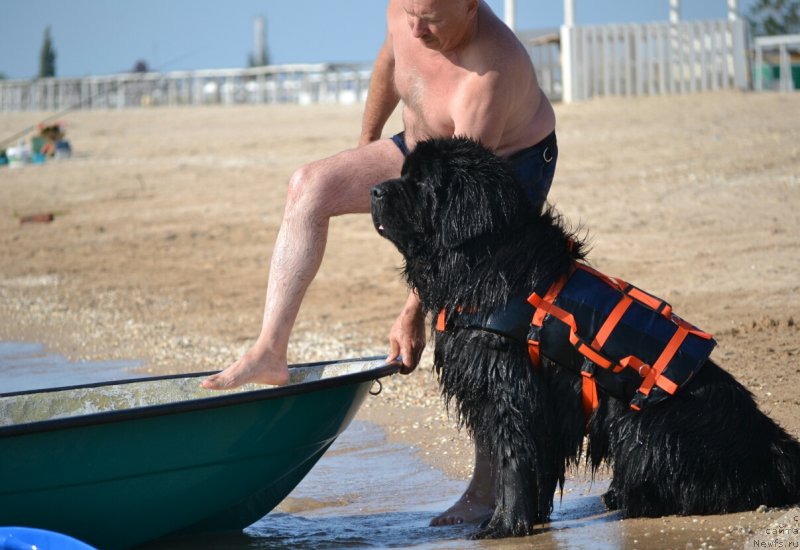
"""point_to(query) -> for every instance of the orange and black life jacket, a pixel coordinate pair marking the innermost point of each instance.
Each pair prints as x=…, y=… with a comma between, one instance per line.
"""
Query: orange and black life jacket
x=617, y=336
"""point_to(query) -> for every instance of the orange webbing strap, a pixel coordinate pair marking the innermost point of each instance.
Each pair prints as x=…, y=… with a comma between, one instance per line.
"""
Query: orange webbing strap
x=533, y=352
x=611, y=322
x=441, y=321
x=645, y=298
x=649, y=300
x=635, y=363
x=619, y=284
x=590, y=353
x=549, y=298
x=589, y=396
x=655, y=374
x=691, y=329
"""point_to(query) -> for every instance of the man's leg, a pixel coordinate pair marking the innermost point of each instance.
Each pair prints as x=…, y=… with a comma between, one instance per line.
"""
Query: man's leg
x=477, y=502
x=330, y=187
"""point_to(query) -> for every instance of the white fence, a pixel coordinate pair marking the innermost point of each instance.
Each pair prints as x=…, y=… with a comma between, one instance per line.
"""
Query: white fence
x=573, y=63
x=772, y=45
x=544, y=48
x=655, y=58
x=322, y=83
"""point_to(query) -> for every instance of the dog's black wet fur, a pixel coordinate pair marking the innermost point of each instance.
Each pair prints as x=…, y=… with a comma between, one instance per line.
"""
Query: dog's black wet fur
x=471, y=239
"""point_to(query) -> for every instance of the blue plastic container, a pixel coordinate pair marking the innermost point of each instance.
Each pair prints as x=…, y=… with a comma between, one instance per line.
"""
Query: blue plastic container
x=27, y=538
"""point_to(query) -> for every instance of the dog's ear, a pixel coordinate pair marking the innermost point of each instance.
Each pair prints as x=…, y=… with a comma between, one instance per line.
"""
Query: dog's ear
x=466, y=215
x=479, y=194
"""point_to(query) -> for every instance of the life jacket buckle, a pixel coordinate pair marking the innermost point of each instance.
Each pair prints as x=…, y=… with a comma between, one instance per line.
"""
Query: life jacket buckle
x=587, y=368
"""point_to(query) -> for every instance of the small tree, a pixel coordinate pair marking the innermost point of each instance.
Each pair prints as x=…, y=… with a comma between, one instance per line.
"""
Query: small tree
x=774, y=17
x=140, y=67
x=47, y=57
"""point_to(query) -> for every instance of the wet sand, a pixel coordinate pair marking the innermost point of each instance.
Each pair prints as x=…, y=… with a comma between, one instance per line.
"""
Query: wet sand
x=165, y=220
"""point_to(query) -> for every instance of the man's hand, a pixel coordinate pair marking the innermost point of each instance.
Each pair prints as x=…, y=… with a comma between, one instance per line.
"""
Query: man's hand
x=407, y=335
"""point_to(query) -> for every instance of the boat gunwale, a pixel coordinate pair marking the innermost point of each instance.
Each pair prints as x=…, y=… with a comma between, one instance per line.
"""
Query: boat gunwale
x=204, y=403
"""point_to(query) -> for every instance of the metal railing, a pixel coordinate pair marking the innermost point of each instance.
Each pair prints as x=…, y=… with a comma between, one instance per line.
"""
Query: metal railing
x=303, y=84
x=573, y=63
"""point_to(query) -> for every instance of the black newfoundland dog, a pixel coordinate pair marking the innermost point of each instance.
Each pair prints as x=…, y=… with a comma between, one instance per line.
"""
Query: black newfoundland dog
x=535, y=350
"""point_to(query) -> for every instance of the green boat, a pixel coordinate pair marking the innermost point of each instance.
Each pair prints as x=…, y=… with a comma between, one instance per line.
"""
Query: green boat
x=121, y=463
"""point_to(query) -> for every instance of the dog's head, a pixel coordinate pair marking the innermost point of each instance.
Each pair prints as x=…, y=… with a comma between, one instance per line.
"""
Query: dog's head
x=451, y=193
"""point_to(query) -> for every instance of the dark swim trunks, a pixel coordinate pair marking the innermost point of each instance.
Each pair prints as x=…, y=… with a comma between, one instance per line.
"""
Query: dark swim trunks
x=535, y=166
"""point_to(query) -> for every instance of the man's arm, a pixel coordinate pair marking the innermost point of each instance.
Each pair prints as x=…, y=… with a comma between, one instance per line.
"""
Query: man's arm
x=480, y=110
x=382, y=97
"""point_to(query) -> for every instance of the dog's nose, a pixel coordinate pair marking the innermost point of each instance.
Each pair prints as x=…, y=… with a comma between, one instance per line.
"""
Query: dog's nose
x=378, y=192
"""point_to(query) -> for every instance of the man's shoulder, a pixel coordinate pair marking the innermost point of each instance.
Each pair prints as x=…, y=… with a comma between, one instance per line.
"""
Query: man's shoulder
x=394, y=10
x=498, y=48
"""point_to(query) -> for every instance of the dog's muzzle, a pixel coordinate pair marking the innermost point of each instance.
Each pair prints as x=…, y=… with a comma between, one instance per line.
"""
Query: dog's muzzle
x=378, y=193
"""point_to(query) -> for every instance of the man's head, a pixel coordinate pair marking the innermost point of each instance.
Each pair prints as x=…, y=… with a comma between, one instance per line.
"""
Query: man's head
x=441, y=25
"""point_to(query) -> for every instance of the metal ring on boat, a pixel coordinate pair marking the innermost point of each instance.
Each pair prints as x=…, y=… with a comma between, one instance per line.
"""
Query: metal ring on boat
x=380, y=388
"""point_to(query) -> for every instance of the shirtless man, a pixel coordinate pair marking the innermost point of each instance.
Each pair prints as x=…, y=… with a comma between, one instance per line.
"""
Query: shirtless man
x=459, y=71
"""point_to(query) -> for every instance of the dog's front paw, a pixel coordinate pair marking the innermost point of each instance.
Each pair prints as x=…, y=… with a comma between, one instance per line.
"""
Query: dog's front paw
x=610, y=499
x=502, y=525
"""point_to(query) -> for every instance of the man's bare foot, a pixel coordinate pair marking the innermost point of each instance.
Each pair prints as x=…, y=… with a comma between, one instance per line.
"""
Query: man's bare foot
x=261, y=368
x=470, y=508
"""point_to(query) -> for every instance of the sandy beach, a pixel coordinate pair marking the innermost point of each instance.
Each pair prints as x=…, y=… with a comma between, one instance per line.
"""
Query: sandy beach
x=165, y=220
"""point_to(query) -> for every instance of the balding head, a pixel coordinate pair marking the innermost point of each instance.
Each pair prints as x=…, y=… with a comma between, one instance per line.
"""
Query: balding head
x=441, y=24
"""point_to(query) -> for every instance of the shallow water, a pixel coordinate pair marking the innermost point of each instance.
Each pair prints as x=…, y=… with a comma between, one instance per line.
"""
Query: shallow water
x=27, y=366
x=365, y=492
x=368, y=493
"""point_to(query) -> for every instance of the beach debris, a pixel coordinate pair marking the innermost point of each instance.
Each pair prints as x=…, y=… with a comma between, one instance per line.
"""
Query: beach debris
x=41, y=217
x=51, y=142
x=48, y=142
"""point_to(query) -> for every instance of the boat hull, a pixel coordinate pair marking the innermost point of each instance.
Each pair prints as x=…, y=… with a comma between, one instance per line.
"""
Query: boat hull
x=121, y=482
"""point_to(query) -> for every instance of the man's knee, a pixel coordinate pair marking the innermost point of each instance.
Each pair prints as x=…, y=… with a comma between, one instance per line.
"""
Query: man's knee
x=309, y=188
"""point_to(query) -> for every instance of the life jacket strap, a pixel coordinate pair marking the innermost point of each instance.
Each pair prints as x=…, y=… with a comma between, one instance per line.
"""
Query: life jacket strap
x=589, y=397
x=533, y=346
x=441, y=321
